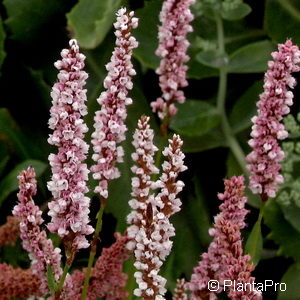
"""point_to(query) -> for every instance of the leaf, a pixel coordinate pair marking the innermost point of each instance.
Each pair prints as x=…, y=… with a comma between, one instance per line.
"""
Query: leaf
x=252, y=58
x=282, y=20
x=291, y=213
x=147, y=32
x=212, y=59
x=245, y=108
x=51, y=280
x=27, y=19
x=282, y=232
x=2, y=39
x=195, y=118
x=9, y=183
x=91, y=20
x=213, y=139
x=292, y=281
x=12, y=136
x=254, y=244
x=240, y=12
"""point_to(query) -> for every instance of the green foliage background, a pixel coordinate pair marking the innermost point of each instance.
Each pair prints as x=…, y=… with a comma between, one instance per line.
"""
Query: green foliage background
x=32, y=34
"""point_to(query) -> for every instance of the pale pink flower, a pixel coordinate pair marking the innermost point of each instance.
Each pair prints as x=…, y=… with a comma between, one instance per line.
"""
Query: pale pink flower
x=35, y=242
x=175, y=17
x=179, y=292
x=224, y=259
x=109, y=124
x=70, y=208
x=150, y=229
x=264, y=160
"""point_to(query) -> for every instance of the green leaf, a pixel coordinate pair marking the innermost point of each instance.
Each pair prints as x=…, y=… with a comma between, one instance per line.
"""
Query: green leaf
x=195, y=118
x=292, y=280
x=240, y=12
x=11, y=135
x=245, y=108
x=9, y=183
x=282, y=20
x=254, y=244
x=51, y=280
x=27, y=19
x=282, y=232
x=91, y=20
x=212, y=59
x=146, y=33
x=212, y=139
x=251, y=58
x=291, y=213
x=2, y=38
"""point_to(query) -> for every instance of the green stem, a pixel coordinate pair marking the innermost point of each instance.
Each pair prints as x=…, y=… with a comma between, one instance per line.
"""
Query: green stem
x=93, y=249
x=230, y=137
x=61, y=281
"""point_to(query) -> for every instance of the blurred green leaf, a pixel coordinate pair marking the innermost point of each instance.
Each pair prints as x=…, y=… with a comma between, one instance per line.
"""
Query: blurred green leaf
x=11, y=135
x=291, y=213
x=212, y=139
x=212, y=59
x=282, y=20
x=91, y=20
x=292, y=280
x=252, y=58
x=254, y=244
x=245, y=108
x=283, y=233
x=120, y=189
x=9, y=183
x=195, y=118
x=240, y=12
x=2, y=39
x=27, y=19
x=146, y=33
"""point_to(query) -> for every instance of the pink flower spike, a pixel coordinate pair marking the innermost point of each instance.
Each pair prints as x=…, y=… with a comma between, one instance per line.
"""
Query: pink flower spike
x=224, y=259
x=35, y=242
x=175, y=17
x=109, y=121
x=264, y=160
x=70, y=208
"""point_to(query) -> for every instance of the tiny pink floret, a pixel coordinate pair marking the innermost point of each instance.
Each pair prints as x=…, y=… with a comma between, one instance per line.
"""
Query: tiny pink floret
x=264, y=160
x=70, y=208
x=109, y=124
x=40, y=249
x=175, y=17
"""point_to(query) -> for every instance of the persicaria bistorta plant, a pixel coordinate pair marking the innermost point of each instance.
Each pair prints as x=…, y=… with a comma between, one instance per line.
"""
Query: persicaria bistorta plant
x=83, y=168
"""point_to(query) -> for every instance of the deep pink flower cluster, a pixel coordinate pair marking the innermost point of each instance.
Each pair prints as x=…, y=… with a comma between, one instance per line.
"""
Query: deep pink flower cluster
x=175, y=18
x=107, y=279
x=150, y=229
x=274, y=103
x=35, y=242
x=70, y=208
x=18, y=283
x=109, y=121
x=224, y=259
